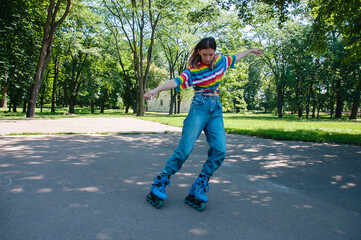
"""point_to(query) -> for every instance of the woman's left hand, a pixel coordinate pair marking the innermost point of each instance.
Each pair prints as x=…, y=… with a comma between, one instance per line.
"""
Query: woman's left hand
x=257, y=51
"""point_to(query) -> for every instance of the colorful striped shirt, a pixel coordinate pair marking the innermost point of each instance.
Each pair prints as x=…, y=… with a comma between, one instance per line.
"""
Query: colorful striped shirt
x=204, y=79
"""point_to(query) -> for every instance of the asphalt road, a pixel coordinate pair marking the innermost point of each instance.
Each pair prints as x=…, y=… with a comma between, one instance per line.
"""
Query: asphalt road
x=62, y=187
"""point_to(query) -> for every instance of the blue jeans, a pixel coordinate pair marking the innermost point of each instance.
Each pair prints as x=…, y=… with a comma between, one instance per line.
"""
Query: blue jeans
x=205, y=114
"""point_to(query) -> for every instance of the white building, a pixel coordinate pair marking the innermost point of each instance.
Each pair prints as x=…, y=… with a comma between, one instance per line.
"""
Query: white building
x=162, y=102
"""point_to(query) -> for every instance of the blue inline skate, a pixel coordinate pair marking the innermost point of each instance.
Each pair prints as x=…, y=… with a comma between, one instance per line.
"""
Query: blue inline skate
x=157, y=192
x=197, y=197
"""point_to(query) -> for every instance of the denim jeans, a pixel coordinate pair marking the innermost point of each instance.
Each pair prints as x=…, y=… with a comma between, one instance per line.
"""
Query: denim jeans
x=205, y=114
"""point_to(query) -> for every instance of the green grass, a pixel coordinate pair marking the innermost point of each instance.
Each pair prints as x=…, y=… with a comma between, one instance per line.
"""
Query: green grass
x=290, y=127
x=268, y=126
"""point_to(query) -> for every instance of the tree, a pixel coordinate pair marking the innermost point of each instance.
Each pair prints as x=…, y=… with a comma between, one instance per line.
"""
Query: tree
x=300, y=60
x=129, y=90
x=45, y=52
x=139, y=21
x=55, y=80
x=271, y=38
x=246, y=13
x=80, y=35
x=174, y=40
x=357, y=92
x=20, y=31
x=344, y=17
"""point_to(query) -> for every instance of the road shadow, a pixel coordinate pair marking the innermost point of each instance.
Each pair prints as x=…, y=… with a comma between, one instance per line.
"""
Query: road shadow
x=94, y=187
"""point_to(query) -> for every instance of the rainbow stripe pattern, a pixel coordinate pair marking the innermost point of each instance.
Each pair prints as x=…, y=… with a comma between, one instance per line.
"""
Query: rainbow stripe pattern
x=204, y=79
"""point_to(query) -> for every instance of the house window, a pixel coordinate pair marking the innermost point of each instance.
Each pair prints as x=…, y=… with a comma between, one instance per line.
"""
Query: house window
x=161, y=102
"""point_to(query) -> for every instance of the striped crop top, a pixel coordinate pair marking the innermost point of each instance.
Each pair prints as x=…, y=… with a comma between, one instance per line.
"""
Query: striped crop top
x=203, y=79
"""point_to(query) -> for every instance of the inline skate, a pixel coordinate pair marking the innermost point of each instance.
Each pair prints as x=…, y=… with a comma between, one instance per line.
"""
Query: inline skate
x=157, y=192
x=197, y=197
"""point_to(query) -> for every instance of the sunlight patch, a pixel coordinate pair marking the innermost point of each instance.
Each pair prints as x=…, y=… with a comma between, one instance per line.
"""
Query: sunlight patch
x=17, y=190
x=40, y=177
x=44, y=190
x=6, y=165
x=34, y=163
x=86, y=189
x=251, y=150
x=183, y=185
x=198, y=231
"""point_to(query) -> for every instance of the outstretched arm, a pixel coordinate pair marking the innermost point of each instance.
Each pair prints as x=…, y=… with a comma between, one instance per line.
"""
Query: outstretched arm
x=243, y=54
x=164, y=87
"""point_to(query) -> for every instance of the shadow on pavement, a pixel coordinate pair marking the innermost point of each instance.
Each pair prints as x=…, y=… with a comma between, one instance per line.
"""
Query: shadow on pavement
x=94, y=187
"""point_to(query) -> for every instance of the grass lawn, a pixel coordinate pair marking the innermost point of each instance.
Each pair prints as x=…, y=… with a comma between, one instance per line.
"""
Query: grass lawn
x=287, y=128
x=290, y=127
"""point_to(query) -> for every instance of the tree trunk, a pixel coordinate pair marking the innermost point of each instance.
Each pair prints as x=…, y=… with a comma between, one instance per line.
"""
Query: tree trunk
x=318, y=102
x=298, y=102
x=56, y=71
x=45, y=53
x=66, y=97
x=15, y=107
x=318, y=111
x=332, y=108
x=314, y=109
x=356, y=101
x=42, y=99
x=102, y=107
x=104, y=99
x=175, y=103
x=76, y=82
x=71, y=104
x=279, y=101
x=42, y=64
x=24, y=105
x=308, y=102
x=3, y=95
x=92, y=106
x=141, y=110
x=339, y=100
x=172, y=102
x=179, y=103
x=313, y=102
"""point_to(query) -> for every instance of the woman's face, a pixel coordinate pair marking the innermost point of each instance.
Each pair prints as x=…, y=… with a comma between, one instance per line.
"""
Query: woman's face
x=207, y=55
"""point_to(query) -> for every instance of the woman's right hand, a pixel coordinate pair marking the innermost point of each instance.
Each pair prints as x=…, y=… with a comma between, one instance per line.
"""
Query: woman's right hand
x=150, y=94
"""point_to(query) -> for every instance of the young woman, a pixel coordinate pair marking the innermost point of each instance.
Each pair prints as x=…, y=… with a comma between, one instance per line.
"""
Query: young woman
x=204, y=74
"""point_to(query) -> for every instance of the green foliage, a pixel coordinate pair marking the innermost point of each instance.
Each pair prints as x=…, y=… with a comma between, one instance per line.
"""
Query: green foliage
x=231, y=92
x=206, y=13
x=310, y=63
x=341, y=16
x=269, y=9
x=21, y=30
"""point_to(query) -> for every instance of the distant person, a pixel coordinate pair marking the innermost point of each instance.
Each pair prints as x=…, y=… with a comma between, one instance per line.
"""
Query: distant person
x=204, y=74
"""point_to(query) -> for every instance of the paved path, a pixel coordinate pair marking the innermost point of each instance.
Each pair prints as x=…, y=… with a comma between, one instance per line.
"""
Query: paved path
x=93, y=186
x=82, y=125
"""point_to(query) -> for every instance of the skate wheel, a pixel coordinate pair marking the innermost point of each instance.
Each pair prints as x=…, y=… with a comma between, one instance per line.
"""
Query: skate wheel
x=158, y=205
x=201, y=207
x=154, y=201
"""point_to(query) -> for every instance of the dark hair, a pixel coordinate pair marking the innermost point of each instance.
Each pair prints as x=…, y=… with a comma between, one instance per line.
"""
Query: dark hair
x=205, y=43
